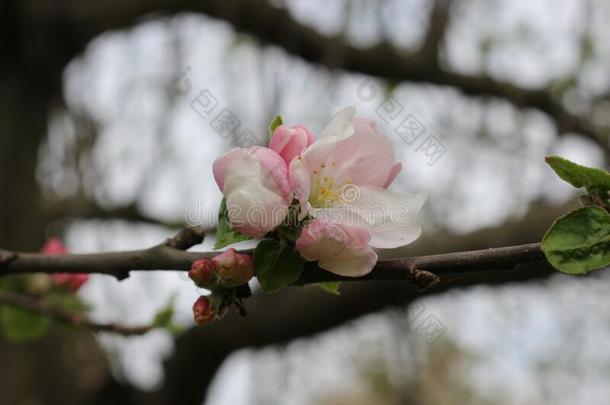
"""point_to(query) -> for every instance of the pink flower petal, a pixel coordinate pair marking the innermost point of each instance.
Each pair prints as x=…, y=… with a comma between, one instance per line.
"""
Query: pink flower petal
x=338, y=249
x=289, y=142
x=389, y=217
x=255, y=185
x=350, y=152
x=393, y=173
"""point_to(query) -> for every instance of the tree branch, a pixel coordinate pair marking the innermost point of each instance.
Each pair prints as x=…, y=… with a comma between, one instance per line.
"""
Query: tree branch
x=278, y=27
x=172, y=255
x=43, y=308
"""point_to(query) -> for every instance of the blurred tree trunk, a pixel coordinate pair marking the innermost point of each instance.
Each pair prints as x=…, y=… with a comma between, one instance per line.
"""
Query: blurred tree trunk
x=25, y=91
x=23, y=126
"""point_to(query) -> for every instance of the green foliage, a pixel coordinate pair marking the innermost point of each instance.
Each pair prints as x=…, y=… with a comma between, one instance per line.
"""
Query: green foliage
x=165, y=318
x=331, y=287
x=275, y=122
x=66, y=301
x=577, y=175
x=21, y=325
x=225, y=233
x=579, y=242
x=277, y=265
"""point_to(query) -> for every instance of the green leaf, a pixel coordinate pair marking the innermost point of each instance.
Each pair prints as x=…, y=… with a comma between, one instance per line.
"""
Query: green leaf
x=577, y=175
x=21, y=325
x=165, y=318
x=67, y=301
x=277, y=265
x=275, y=122
x=225, y=234
x=579, y=242
x=331, y=287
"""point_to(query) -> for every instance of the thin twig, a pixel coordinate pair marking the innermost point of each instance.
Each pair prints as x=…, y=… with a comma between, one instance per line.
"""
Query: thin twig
x=44, y=308
x=422, y=270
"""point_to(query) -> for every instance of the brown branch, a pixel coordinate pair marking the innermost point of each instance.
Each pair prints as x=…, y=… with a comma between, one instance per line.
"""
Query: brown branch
x=278, y=27
x=44, y=308
x=80, y=207
x=435, y=34
x=171, y=255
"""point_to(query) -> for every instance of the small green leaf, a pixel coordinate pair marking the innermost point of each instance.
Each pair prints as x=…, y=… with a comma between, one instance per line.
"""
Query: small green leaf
x=225, y=234
x=331, y=287
x=275, y=122
x=579, y=242
x=577, y=175
x=277, y=265
x=21, y=325
x=165, y=317
x=67, y=301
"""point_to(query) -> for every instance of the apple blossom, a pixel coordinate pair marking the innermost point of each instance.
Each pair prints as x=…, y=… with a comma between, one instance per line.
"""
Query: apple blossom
x=341, y=180
x=255, y=185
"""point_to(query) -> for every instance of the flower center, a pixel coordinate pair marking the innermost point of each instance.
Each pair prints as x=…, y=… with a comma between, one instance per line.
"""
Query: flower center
x=325, y=191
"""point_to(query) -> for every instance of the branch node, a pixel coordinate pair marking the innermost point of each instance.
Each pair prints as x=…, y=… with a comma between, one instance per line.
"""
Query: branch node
x=6, y=257
x=424, y=279
x=186, y=238
x=122, y=275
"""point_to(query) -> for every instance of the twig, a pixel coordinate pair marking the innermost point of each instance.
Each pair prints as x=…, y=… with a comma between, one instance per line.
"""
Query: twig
x=424, y=268
x=171, y=255
x=43, y=308
x=186, y=238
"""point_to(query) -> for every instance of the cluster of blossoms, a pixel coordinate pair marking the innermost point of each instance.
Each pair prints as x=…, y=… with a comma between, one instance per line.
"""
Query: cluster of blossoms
x=328, y=195
x=337, y=181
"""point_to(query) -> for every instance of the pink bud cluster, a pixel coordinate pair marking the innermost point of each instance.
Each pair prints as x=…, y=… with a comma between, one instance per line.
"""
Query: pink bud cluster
x=228, y=269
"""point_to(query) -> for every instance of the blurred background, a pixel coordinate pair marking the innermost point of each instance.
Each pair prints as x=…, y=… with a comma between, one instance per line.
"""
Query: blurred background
x=111, y=114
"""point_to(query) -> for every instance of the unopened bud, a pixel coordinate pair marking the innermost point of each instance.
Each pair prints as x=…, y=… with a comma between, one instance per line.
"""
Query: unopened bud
x=203, y=312
x=72, y=281
x=202, y=273
x=234, y=268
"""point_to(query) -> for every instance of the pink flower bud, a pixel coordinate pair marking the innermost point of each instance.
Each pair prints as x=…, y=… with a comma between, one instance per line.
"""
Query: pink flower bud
x=289, y=142
x=234, y=268
x=225, y=261
x=71, y=281
x=202, y=273
x=53, y=246
x=203, y=312
x=245, y=268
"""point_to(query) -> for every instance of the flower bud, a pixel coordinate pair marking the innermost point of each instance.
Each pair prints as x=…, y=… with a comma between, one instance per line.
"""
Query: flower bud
x=289, y=142
x=72, y=282
x=53, y=246
x=203, y=312
x=245, y=268
x=234, y=268
x=202, y=273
